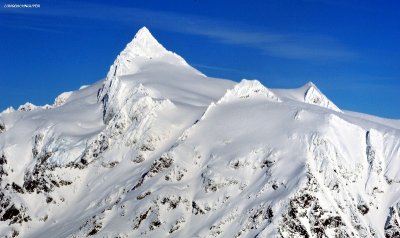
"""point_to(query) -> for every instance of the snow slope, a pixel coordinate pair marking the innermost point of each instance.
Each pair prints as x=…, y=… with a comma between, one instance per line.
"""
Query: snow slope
x=157, y=149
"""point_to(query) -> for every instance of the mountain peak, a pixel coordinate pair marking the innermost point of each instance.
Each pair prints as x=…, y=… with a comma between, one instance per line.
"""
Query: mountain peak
x=143, y=48
x=144, y=44
x=144, y=33
x=310, y=84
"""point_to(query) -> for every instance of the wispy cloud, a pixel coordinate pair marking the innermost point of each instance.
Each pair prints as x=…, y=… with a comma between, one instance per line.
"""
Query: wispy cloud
x=277, y=44
x=218, y=68
x=367, y=83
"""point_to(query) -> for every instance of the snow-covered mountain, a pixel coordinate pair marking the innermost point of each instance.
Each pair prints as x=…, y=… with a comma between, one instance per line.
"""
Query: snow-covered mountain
x=158, y=149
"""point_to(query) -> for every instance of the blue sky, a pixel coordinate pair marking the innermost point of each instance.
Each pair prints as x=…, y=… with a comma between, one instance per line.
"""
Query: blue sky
x=349, y=49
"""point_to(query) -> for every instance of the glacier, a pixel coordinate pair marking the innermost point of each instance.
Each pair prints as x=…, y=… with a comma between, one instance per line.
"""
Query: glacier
x=158, y=149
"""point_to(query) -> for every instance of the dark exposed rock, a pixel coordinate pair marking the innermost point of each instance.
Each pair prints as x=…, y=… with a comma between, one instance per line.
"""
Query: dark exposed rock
x=304, y=200
x=210, y=185
x=138, y=220
x=97, y=225
x=13, y=214
x=176, y=226
x=147, y=147
x=392, y=224
x=84, y=161
x=141, y=196
x=363, y=209
x=37, y=184
x=5, y=201
x=138, y=184
x=138, y=159
x=154, y=224
x=81, y=164
x=176, y=174
x=37, y=140
x=258, y=216
x=94, y=230
x=17, y=188
x=41, y=179
x=267, y=163
x=308, y=207
x=49, y=199
x=270, y=213
x=93, y=224
x=110, y=164
x=173, y=202
x=10, y=213
x=388, y=180
x=333, y=222
x=3, y=160
x=335, y=187
x=55, y=183
x=2, y=126
x=64, y=182
x=160, y=164
x=14, y=233
x=196, y=209
x=106, y=116
x=235, y=165
x=93, y=151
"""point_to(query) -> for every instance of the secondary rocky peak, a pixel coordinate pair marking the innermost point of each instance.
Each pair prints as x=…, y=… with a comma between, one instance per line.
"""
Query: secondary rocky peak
x=313, y=95
x=249, y=89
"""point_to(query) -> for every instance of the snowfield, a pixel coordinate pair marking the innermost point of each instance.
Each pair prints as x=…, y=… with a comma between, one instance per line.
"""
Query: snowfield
x=158, y=149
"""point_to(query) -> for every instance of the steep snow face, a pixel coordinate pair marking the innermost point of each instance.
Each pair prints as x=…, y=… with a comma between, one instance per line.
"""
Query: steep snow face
x=157, y=149
x=142, y=51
